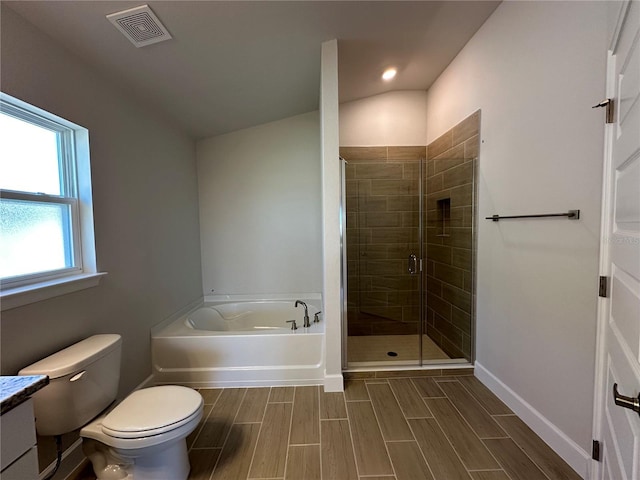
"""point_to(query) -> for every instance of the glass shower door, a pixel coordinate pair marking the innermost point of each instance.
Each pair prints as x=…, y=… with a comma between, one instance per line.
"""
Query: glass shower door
x=384, y=254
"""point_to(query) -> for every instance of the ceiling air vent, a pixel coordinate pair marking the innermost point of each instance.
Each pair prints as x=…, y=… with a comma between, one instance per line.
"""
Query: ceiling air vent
x=140, y=26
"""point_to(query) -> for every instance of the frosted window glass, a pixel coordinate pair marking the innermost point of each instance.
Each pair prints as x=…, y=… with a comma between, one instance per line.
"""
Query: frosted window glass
x=28, y=157
x=34, y=237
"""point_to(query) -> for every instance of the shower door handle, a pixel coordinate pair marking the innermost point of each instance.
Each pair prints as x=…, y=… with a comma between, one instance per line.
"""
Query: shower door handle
x=413, y=264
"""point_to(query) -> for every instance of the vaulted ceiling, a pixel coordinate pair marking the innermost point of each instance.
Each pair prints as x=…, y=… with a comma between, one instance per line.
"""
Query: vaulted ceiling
x=235, y=64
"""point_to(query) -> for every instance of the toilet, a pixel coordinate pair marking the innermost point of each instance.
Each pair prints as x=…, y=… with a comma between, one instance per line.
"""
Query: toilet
x=141, y=438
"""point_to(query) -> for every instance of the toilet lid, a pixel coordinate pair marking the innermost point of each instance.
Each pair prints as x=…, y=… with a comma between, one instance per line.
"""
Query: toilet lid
x=152, y=411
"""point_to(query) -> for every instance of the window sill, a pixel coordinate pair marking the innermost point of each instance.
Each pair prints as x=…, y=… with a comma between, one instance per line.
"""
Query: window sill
x=17, y=297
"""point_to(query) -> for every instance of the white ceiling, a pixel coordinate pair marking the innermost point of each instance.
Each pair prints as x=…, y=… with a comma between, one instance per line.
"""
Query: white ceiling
x=236, y=64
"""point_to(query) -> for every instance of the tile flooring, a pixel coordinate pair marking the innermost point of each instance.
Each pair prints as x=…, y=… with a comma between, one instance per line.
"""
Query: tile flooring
x=388, y=426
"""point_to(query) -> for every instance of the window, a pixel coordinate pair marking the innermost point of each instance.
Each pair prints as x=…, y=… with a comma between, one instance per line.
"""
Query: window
x=46, y=219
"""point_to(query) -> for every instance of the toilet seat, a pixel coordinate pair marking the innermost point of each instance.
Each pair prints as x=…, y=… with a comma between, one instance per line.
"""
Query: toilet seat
x=152, y=411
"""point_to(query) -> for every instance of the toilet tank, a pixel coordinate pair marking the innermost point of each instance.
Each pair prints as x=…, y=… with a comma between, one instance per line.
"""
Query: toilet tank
x=83, y=381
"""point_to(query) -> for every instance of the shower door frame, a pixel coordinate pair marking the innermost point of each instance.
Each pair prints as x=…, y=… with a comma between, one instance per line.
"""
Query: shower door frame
x=420, y=264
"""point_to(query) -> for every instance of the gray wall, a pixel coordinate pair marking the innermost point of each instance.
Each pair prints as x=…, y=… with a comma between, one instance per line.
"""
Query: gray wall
x=145, y=209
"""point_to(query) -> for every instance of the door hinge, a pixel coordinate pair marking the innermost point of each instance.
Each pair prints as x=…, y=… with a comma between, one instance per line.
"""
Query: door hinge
x=608, y=104
x=603, y=289
x=595, y=450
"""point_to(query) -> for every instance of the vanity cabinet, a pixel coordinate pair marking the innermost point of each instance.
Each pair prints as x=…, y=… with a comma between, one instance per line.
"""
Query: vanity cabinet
x=18, y=452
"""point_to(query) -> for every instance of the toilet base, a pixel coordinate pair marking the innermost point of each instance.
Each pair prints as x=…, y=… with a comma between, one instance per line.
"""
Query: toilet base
x=169, y=462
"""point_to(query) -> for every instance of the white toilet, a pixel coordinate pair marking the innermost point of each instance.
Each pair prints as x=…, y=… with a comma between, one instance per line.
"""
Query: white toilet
x=141, y=438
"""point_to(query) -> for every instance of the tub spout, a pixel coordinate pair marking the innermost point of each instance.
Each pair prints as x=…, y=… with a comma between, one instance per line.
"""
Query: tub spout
x=306, y=313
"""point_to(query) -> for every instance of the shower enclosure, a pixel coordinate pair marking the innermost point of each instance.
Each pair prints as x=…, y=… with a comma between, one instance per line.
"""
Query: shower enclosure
x=408, y=248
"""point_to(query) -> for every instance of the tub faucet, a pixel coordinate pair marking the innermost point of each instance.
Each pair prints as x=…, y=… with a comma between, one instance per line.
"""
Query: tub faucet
x=306, y=313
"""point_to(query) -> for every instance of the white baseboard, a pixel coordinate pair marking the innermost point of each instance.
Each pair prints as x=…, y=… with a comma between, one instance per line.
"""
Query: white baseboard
x=333, y=383
x=569, y=450
x=245, y=383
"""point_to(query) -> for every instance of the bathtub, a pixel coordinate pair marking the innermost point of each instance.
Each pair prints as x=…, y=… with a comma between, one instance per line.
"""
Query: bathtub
x=241, y=341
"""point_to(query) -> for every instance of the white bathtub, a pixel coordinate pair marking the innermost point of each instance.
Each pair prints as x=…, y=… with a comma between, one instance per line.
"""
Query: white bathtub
x=239, y=341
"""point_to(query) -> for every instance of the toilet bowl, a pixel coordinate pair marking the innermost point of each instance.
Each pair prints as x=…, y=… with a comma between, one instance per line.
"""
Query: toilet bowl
x=141, y=438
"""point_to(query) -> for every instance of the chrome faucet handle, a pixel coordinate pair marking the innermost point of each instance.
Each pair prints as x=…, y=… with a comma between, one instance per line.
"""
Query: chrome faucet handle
x=293, y=324
x=315, y=317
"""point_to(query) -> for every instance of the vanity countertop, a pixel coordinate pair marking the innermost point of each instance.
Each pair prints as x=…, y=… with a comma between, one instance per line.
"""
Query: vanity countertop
x=16, y=389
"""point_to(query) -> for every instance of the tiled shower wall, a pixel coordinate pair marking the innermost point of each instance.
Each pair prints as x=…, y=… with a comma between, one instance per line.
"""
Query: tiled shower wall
x=451, y=162
x=382, y=230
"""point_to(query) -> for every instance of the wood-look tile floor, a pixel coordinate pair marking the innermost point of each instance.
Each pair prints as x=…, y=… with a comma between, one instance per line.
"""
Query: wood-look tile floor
x=420, y=427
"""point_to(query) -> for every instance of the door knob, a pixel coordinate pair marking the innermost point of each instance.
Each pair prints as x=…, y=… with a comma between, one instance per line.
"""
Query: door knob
x=626, y=402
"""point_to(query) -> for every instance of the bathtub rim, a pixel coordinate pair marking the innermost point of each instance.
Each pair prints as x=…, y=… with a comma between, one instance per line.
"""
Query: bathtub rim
x=230, y=298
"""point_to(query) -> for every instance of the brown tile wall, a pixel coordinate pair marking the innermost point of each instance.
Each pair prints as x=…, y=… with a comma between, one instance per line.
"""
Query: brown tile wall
x=382, y=220
x=449, y=274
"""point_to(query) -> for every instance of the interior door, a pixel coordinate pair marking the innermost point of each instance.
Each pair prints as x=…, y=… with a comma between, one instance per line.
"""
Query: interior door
x=617, y=427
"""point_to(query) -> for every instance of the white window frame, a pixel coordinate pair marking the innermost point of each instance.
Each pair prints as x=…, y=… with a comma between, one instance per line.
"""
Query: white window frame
x=76, y=192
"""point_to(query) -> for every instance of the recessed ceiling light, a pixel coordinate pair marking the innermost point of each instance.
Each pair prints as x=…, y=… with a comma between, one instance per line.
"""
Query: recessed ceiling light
x=389, y=73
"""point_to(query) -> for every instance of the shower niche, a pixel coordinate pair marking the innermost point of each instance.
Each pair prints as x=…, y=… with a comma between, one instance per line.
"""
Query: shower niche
x=409, y=249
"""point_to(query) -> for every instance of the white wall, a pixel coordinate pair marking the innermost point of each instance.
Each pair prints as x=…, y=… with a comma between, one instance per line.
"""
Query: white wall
x=535, y=69
x=393, y=118
x=260, y=216
x=145, y=210
x=331, y=191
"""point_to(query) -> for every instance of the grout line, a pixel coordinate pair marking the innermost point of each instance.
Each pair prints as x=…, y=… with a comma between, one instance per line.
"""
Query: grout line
x=198, y=429
x=478, y=401
x=451, y=443
x=258, y=437
x=320, y=438
x=264, y=409
x=422, y=453
x=320, y=429
x=353, y=445
x=528, y=456
x=377, y=476
x=485, y=470
x=482, y=408
x=375, y=414
x=286, y=455
x=229, y=432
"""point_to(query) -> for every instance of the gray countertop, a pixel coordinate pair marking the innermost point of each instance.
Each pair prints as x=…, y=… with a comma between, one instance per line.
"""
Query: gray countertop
x=16, y=389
